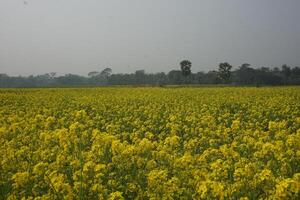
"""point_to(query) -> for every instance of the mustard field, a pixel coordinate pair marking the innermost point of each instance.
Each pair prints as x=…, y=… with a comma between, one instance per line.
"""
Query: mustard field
x=150, y=143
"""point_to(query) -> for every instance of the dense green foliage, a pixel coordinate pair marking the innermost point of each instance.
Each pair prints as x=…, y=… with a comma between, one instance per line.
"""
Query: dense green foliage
x=150, y=143
x=244, y=75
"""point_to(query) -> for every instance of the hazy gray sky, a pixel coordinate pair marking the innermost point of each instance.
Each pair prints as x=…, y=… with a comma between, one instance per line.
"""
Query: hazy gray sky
x=78, y=36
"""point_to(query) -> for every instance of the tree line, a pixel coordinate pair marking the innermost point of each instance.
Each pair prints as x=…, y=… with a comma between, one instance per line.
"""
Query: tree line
x=243, y=75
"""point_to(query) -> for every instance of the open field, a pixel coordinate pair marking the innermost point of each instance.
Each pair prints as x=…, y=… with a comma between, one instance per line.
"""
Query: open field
x=150, y=143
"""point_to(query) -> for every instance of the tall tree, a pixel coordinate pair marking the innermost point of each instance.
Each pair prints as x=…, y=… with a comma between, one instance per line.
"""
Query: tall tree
x=224, y=72
x=286, y=73
x=185, y=66
x=174, y=77
x=93, y=74
x=245, y=74
x=140, y=76
x=106, y=72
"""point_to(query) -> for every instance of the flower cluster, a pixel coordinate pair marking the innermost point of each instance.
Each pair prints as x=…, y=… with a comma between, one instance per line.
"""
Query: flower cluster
x=150, y=143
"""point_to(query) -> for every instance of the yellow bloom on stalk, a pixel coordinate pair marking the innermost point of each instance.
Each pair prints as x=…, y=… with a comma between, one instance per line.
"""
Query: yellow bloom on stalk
x=172, y=118
x=235, y=124
x=88, y=166
x=116, y=196
x=40, y=168
x=20, y=179
x=272, y=125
